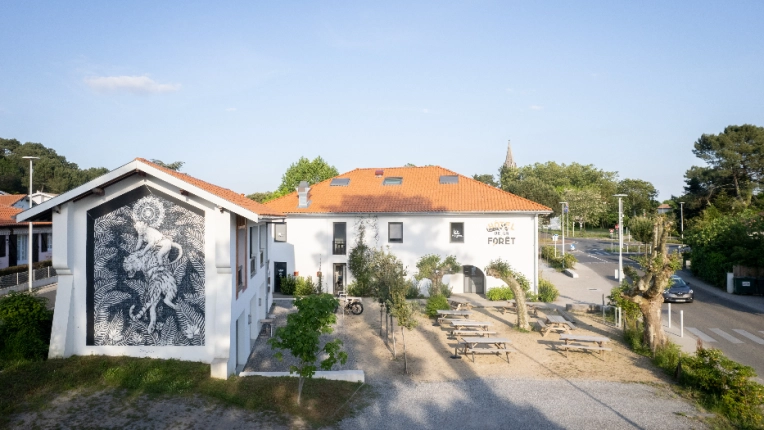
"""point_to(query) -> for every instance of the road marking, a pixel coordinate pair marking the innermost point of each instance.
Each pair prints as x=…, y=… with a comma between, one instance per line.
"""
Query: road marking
x=753, y=337
x=596, y=258
x=726, y=335
x=702, y=336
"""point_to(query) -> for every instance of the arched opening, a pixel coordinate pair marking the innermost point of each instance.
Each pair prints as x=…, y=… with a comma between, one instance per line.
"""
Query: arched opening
x=474, y=280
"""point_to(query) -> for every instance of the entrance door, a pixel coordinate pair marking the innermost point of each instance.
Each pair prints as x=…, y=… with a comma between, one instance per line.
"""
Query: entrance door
x=474, y=280
x=280, y=267
x=13, y=256
x=339, y=277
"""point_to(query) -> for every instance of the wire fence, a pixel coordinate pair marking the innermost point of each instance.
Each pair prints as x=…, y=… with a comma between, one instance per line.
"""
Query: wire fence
x=15, y=279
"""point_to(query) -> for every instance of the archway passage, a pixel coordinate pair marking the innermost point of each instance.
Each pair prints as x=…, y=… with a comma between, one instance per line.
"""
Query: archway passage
x=474, y=280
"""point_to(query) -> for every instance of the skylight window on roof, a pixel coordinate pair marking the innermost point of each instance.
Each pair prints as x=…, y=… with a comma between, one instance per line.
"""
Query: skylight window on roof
x=392, y=181
x=340, y=182
x=449, y=179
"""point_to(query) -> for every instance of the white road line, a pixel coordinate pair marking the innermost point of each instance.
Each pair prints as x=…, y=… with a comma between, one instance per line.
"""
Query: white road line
x=702, y=336
x=596, y=258
x=753, y=337
x=726, y=335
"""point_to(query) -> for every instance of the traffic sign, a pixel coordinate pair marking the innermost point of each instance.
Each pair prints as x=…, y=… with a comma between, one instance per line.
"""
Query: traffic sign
x=554, y=237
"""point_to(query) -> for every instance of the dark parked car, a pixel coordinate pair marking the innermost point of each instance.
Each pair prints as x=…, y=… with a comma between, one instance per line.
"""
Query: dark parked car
x=678, y=291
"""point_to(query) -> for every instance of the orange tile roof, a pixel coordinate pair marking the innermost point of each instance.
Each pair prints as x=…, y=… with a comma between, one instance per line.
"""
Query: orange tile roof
x=223, y=193
x=8, y=214
x=421, y=191
x=10, y=199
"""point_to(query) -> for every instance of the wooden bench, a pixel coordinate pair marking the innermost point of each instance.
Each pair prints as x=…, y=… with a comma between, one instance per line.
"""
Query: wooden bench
x=442, y=320
x=544, y=329
x=532, y=308
x=459, y=306
x=455, y=333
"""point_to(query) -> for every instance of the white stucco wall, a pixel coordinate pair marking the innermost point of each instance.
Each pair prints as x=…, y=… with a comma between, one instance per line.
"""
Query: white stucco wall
x=222, y=306
x=310, y=239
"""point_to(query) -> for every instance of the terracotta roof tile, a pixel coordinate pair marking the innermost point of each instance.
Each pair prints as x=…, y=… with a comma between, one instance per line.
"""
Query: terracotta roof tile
x=8, y=214
x=223, y=193
x=420, y=191
x=10, y=199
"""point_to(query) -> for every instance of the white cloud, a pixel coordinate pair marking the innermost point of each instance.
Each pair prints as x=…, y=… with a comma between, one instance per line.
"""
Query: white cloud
x=536, y=107
x=133, y=84
x=230, y=110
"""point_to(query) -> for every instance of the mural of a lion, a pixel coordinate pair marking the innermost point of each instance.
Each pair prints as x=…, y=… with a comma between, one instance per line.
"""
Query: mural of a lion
x=160, y=282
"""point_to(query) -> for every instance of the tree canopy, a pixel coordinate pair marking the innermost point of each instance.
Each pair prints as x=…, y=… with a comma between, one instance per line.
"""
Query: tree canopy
x=486, y=178
x=304, y=169
x=52, y=172
x=172, y=166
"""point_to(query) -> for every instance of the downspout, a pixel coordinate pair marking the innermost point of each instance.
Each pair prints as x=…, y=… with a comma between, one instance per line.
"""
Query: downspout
x=536, y=254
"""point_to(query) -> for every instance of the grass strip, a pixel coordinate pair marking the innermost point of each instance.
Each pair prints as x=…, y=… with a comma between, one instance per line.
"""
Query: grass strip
x=28, y=386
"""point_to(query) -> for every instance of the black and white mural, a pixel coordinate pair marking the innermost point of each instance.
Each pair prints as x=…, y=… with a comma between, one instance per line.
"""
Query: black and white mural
x=145, y=262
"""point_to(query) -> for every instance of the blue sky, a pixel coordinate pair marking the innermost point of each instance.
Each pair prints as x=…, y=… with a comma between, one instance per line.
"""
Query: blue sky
x=239, y=91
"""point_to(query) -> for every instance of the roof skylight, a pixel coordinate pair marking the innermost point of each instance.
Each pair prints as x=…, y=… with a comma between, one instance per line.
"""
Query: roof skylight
x=392, y=180
x=449, y=179
x=340, y=182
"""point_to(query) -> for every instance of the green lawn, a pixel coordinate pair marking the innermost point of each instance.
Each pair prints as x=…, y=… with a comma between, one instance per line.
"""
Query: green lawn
x=28, y=386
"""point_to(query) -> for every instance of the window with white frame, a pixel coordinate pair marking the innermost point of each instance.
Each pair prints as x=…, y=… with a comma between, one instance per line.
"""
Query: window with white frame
x=263, y=245
x=21, y=248
x=253, y=237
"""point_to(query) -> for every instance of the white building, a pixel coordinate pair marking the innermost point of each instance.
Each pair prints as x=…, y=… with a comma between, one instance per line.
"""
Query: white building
x=416, y=211
x=15, y=249
x=156, y=263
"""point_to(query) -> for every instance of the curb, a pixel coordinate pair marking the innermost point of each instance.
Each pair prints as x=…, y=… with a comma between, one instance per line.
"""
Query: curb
x=336, y=375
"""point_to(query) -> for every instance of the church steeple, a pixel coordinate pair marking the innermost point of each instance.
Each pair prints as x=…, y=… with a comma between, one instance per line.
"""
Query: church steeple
x=510, y=162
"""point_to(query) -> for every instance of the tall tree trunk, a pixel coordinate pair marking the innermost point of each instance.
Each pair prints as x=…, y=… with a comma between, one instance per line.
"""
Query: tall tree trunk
x=653, y=335
x=522, y=309
x=405, y=363
x=392, y=328
x=380, y=320
x=299, y=389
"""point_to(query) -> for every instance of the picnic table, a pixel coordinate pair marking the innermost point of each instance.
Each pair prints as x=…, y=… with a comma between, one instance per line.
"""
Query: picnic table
x=460, y=306
x=511, y=305
x=598, y=342
x=444, y=314
x=554, y=323
x=480, y=345
x=469, y=327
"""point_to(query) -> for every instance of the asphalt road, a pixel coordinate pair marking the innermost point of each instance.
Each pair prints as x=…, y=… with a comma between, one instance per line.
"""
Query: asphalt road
x=720, y=323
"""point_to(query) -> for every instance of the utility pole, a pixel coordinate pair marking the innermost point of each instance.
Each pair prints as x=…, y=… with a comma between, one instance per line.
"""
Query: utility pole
x=30, y=242
x=620, y=237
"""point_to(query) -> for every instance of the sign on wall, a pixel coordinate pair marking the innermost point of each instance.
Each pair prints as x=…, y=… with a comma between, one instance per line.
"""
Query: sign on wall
x=145, y=267
x=501, y=233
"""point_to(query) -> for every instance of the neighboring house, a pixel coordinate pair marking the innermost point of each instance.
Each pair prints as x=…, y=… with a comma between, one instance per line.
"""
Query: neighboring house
x=417, y=211
x=155, y=263
x=14, y=238
x=19, y=201
x=664, y=209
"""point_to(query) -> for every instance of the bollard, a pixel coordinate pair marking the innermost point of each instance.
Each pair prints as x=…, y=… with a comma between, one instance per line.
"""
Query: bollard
x=669, y=314
x=681, y=323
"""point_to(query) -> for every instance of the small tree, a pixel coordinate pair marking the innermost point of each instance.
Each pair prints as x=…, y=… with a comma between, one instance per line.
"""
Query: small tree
x=647, y=290
x=301, y=336
x=404, y=312
x=361, y=256
x=431, y=267
x=641, y=228
x=517, y=283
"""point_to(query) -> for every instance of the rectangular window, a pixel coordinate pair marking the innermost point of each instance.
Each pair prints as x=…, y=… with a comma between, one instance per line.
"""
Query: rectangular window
x=263, y=245
x=457, y=232
x=280, y=232
x=449, y=179
x=3, y=244
x=21, y=249
x=340, y=234
x=50, y=242
x=395, y=232
x=392, y=180
x=340, y=182
x=253, y=247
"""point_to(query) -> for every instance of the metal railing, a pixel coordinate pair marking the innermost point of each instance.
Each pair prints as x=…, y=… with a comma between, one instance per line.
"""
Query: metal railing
x=12, y=280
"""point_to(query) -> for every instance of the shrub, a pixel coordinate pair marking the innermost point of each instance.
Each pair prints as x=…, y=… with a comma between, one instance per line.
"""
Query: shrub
x=547, y=291
x=25, y=326
x=500, y=293
x=304, y=286
x=288, y=285
x=434, y=304
x=558, y=262
x=413, y=290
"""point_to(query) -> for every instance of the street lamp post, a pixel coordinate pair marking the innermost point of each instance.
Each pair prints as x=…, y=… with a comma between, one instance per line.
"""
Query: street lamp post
x=29, y=238
x=562, y=228
x=681, y=216
x=620, y=237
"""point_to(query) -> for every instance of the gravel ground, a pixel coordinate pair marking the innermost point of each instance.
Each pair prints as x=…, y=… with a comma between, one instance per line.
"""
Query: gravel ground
x=512, y=403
